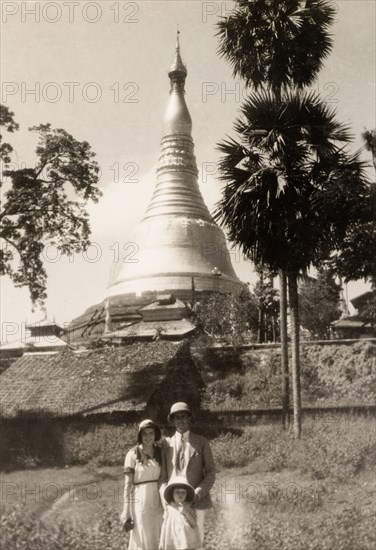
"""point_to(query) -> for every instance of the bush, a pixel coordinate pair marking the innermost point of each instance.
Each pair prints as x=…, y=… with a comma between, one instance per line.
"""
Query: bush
x=105, y=444
x=351, y=528
x=241, y=380
x=331, y=375
x=342, y=374
x=31, y=443
x=23, y=532
x=53, y=443
x=337, y=449
x=230, y=450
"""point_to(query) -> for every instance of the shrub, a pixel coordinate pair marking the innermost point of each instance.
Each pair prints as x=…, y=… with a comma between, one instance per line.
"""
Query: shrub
x=351, y=528
x=23, y=532
x=230, y=450
x=338, y=449
x=42, y=443
x=330, y=375
x=105, y=444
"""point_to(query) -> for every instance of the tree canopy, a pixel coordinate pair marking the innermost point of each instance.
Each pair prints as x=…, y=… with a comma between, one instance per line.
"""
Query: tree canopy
x=354, y=258
x=283, y=187
x=369, y=139
x=279, y=42
x=45, y=205
x=319, y=304
x=233, y=318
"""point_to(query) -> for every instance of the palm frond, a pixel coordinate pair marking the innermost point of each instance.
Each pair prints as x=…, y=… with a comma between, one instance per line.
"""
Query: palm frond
x=297, y=36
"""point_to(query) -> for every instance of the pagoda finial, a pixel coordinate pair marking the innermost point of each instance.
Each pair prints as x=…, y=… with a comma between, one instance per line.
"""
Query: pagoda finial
x=177, y=71
x=177, y=119
x=177, y=39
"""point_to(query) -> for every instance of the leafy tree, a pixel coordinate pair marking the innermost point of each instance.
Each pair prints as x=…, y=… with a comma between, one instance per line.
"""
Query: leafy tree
x=319, y=304
x=369, y=310
x=268, y=305
x=353, y=259
x=278, y=44
x=233, y=318
x=369, y=139
x=45, y=205
x=7, y=121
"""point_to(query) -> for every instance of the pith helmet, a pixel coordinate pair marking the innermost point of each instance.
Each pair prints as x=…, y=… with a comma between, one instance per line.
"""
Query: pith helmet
x=179, y=407
x=149, y=424
x=178, y=482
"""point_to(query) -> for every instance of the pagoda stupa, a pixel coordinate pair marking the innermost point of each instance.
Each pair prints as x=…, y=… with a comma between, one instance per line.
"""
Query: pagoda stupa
x=181, y=253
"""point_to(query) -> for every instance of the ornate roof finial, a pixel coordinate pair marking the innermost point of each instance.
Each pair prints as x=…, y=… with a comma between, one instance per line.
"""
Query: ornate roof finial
x=177, y=119
x=177, y=38
x=177, y=70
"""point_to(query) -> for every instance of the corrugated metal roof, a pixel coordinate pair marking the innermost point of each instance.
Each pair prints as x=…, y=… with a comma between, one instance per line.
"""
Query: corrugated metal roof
x=348, y=323
x=39, y=342
x=149, y=329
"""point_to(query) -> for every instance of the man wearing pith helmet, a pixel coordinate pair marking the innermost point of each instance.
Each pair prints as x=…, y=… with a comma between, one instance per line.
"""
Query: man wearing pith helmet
x=189, y=455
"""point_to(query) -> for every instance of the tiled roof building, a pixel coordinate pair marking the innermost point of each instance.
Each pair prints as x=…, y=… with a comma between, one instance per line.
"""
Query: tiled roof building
x=138, y=377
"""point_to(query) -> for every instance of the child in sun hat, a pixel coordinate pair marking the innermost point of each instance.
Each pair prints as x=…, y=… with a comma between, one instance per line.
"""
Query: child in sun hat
x=179, y=528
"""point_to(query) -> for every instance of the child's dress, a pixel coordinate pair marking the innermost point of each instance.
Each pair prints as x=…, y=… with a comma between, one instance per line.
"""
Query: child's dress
x=179, y=528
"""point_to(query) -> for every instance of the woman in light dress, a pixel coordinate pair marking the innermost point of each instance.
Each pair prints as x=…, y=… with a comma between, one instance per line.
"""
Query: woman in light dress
x=143, y=512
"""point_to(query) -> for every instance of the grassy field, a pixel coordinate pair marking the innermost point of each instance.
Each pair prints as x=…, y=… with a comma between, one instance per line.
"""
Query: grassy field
x=271, y=492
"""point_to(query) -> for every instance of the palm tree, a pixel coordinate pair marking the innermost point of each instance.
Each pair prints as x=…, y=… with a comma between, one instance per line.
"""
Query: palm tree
x=275, y=201
x=278, y=44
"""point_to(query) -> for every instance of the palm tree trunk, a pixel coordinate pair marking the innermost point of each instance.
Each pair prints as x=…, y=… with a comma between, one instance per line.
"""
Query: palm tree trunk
x=295, y=353
x=260, y=337
x=283, y=329
x=284, y=349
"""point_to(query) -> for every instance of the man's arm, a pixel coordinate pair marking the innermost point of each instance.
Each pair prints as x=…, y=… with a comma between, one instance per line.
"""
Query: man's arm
x=208, y=470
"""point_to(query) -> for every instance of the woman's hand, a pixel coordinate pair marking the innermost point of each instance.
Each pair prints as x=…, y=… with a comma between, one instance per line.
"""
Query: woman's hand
x=187, y=508
x=124, y=517
x=162, y=442
x=189, y=513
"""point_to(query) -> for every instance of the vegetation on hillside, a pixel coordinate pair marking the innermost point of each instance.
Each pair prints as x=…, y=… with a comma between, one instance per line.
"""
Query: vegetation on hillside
x=332, y=375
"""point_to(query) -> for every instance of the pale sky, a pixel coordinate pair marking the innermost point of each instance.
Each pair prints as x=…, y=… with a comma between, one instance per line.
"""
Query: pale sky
x=99, y=70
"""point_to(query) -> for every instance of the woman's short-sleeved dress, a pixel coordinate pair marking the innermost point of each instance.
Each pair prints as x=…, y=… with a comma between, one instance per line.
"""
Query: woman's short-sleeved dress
x=146, y=507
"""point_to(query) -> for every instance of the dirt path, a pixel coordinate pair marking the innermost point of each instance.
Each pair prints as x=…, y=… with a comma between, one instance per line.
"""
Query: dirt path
x=82, y=501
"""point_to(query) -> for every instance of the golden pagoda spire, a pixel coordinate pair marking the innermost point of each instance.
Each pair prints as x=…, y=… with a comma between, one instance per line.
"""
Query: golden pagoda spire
x=178, y=242
x=177, y=118
x=177, y=191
